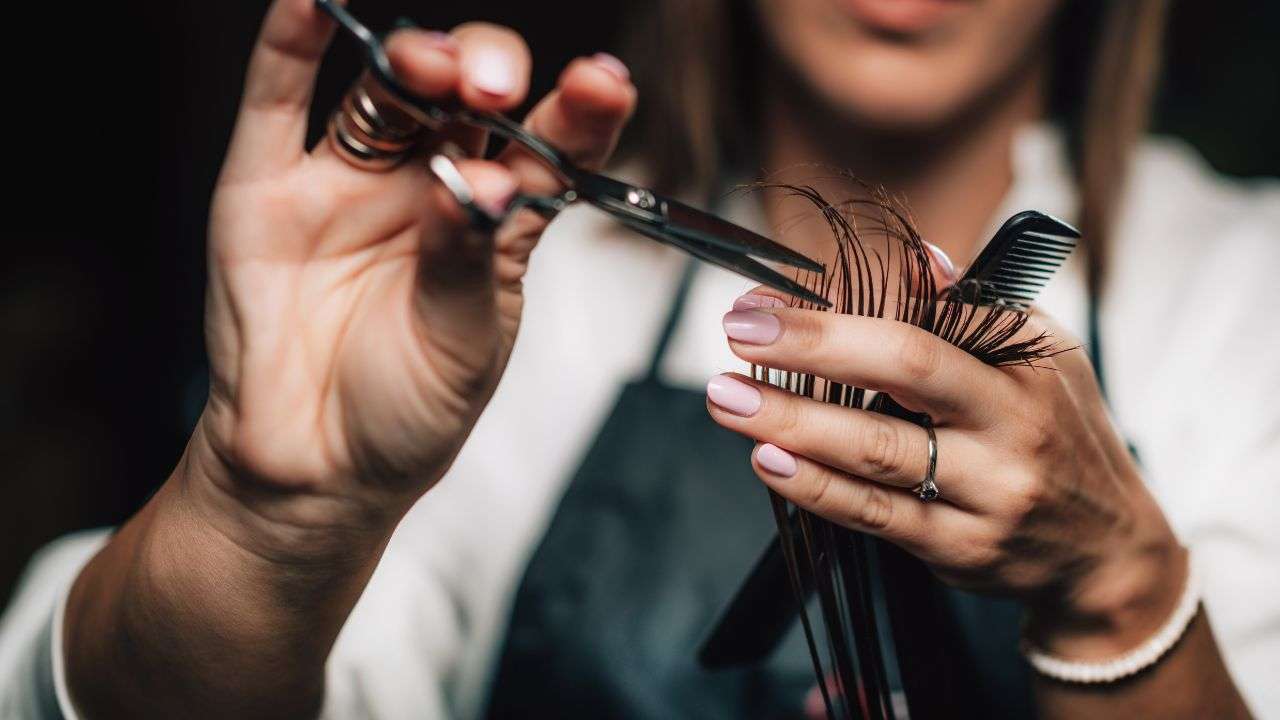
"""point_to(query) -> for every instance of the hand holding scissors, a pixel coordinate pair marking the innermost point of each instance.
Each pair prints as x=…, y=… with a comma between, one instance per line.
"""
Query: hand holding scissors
x=358, y=317
x=356, y=323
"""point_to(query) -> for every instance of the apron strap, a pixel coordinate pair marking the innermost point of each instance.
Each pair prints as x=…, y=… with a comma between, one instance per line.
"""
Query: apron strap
x=1095, y=357
x=1095, y=344
x=669, y=325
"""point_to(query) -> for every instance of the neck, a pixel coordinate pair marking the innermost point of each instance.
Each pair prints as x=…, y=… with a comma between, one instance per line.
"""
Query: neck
x=952, y=178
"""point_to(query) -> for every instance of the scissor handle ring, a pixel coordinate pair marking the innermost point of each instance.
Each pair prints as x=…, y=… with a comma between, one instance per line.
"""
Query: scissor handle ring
x=433, y=115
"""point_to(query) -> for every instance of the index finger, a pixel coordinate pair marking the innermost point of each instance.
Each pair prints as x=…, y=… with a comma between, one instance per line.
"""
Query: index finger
x=919, y=370
x=582, y=117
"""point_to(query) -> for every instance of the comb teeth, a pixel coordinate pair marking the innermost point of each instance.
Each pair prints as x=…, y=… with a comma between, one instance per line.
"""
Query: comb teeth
x=1026, y=268
x=1021, y=258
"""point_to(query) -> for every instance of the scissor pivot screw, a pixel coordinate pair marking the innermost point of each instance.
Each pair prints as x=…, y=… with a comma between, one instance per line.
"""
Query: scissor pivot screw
x=642, y=198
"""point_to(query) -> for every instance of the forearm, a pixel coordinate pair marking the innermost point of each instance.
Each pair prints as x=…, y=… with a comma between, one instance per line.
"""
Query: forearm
x=175, y=617
x=1127, y=604
x=1190, y=682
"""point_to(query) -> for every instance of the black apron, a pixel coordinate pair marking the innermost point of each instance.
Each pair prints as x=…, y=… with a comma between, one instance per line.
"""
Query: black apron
x=658, y=527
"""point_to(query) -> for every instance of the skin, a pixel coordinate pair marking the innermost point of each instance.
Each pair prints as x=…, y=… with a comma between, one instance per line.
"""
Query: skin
x=355, y=329
x=1041, y=500
x=928, y=114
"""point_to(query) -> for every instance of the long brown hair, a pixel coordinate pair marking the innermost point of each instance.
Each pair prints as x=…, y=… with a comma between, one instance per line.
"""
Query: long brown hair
x=694, y=68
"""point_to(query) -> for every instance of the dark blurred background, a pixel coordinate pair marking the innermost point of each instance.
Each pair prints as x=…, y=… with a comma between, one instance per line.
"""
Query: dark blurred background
x=119, y=114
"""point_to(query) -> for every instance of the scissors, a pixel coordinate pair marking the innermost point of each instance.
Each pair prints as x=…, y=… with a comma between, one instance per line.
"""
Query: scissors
x=660, y=218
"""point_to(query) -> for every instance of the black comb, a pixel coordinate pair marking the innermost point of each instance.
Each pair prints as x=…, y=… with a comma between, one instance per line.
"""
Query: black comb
x=1020, y=259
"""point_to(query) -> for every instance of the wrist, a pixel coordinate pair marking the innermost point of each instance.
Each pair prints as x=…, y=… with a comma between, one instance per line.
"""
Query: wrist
x=1119, y=601
x=291, y=526
x=167, y=613
x=200, y=596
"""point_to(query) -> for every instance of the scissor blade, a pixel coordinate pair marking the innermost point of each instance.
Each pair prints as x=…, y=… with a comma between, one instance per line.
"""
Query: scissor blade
x=732, y=261
x=711, y=230
x=348, y=22
x=749, y=268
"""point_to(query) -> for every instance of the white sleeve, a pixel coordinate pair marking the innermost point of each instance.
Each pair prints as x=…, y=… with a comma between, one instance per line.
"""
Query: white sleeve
x=374, y=671
x=1220, y=453
x=1196, y=361
x=32, y=682
x=395, y=656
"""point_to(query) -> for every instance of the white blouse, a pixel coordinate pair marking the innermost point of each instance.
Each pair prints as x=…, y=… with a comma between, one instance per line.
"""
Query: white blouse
x=1191, y=329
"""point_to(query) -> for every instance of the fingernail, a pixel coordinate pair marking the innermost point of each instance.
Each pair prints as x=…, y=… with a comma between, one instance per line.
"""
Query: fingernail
x=776, y=460
x=945, y=268
x=752, y=326
x=491, y=71
x=751, y=302
x=498, y=192
x=498, y=204
x=616, y=67
x=733, y=395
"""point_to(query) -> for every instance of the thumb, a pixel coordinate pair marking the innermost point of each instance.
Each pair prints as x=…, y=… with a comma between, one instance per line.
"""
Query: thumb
x=455, y=301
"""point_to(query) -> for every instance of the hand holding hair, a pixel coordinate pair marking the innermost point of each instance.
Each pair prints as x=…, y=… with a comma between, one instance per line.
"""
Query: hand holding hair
x=1016, y=485
x=1039, y=498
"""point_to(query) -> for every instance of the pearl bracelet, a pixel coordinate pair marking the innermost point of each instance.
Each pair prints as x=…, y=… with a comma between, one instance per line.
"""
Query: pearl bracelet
x=1132, y=662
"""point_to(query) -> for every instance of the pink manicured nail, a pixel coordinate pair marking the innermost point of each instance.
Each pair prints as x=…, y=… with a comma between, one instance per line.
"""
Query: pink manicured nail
x=776, y=460
x=752, y=326
x=490, y=70
x=945, y=269
x=733, y=395
x=615, y=66
x=751, y=302
x=497, y=205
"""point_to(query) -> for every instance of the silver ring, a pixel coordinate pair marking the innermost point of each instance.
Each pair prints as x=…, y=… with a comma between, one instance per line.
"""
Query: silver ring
x=927, y=490
x=369, y=130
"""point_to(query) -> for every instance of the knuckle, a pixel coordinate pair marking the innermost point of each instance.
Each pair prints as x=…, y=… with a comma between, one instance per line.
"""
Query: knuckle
x=1033, y=430
x=787, y=418
x=875, y=508
x=980, y=556
x=919, y=355
x=882, y=448
x=818, y=490
x=1026, y=495
x=1040, y=436
x=804, y=335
